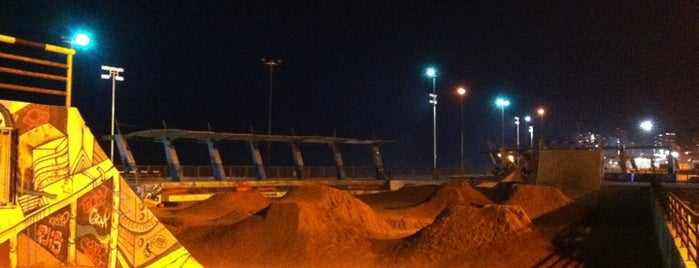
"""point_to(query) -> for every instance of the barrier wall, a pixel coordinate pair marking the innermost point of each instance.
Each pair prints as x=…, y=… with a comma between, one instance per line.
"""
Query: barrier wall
x=64, y=202
x=577, y=172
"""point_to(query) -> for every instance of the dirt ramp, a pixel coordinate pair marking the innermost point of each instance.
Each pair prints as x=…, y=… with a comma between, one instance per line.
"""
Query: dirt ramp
x=325, y=209
x=220, y=209
x=312, y=226
x=538, y=200
x=467, y=193
x=462, y=233
x=406, y=196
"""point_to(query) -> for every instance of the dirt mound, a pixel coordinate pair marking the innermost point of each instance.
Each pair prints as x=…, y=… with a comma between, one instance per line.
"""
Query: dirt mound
x=468, y=194
x=313, y=225
x=404, y=197
x=320, y=226
x=423, y=214
x=219, y=209
x=538, y=200
x=464, y=232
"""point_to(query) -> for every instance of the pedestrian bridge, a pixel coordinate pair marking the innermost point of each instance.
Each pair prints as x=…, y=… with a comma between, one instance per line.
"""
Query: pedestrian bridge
x=175, y=171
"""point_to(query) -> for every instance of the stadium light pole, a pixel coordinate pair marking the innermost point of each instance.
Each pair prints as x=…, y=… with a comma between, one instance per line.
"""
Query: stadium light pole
x=517, y=124
x=432, y=73
x=462, y=92
x=113, y=73
x=528, y=119
x=646, y=126
x=502, y=103
x=271, y=63
x=541, y=113
x=81, y=39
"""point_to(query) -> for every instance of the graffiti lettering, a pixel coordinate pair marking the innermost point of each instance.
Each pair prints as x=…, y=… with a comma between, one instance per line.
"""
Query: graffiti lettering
x=95, y=251
x=96, y=219
x=49, y=238
x=60, y=220
x=95, y=200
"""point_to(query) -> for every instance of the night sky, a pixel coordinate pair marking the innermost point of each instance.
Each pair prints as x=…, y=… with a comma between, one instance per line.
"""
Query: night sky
x=356, y=68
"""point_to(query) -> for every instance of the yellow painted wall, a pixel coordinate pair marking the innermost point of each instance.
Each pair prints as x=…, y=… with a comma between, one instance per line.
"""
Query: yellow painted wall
x=72, y=202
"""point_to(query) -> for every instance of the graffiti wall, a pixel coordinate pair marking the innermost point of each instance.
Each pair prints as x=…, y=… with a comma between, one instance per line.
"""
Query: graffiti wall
x=94, y=223
x=153, y=245
x=52, y=233
x=61, y=170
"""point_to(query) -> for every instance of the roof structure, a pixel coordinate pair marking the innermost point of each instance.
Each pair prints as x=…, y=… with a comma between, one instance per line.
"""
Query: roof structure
x=180, y=134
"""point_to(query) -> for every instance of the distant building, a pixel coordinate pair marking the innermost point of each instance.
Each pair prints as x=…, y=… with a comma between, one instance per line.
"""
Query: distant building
x=667, y=139
x=589, y=139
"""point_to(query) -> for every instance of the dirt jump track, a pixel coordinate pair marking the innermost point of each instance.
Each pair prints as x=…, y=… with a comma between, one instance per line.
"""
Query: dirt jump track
x=452, y=225
x=87, y=215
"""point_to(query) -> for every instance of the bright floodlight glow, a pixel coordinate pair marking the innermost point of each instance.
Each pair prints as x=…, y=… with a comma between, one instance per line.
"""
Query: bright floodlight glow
x=527, y=118
x=646, y=125
x=81, y=39
x=461, y=91
x=502, y=102
x=431, y=72
x=541, y=111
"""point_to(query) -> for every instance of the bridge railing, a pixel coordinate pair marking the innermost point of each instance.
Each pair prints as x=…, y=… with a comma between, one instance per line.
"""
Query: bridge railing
x=685, y=227
x=272, y=172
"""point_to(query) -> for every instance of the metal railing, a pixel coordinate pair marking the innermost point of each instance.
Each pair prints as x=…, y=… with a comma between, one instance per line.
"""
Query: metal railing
x=273, y=172
x=67, y=66
x=685, y=226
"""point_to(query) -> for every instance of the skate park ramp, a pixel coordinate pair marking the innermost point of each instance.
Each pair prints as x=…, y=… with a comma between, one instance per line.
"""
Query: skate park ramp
x=63, y=203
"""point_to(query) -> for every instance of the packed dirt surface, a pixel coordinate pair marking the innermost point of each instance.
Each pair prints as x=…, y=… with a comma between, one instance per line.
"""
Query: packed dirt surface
x=452, y=225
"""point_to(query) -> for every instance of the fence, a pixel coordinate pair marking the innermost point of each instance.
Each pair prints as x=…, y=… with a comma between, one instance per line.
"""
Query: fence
x=68, y=67
x=273, y=172
x=685, y=226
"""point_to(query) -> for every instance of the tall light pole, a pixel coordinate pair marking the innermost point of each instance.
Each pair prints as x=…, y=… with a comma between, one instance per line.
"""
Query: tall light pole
x=541, y=113
x=432, y=73
x=528, y=119
x=502, y=103
x=462, y=91
x=80, y=39
x=271, y=63
x=113, y=73
x=646, y=125
x=517, y=123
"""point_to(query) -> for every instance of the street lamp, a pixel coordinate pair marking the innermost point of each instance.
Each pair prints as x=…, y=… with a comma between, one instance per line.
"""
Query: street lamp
x=81, y=39
x=271, y=63
x=517, y=123
x=528, y=119
x=432, y=73
x=646, y=125
x=541, y=113
x=462, y=91
x=113, y=73
x=502, y=103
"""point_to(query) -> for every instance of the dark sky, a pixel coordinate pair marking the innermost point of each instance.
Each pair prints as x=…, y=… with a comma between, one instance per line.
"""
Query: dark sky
x=356, y=68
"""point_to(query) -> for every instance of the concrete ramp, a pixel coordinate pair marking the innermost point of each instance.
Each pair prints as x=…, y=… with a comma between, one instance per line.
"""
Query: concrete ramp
x=59, y=189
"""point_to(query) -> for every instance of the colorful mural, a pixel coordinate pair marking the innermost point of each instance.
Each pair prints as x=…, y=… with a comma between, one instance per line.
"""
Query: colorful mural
x=53, y=232
x=94, y=223
x=72, y=202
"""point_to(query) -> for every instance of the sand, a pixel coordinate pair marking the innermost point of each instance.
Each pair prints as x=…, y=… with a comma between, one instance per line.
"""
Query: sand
x=452, y=225
x=537, y=200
